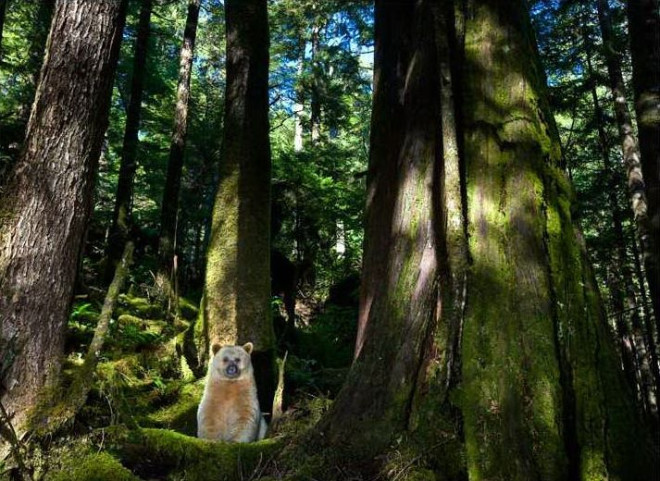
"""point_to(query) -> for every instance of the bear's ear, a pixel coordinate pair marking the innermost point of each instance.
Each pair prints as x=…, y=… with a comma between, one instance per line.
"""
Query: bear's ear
x=248, y=347
x=215, y=348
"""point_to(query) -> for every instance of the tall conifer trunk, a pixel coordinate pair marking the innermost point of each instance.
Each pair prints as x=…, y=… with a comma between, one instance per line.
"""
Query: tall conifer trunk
x=170, y=203
x=644, y=27
x=503, y=369
x=45, y=207
x=237, y=290
x=121, y=217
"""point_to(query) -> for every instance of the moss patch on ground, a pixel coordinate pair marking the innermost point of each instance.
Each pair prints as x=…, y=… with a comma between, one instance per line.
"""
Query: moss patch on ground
x=92, y=467
x=165, y=454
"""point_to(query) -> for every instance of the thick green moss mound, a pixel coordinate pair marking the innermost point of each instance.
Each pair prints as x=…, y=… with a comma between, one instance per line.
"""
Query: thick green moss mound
x=93, y=467
x=164, y=454
x=180, y=415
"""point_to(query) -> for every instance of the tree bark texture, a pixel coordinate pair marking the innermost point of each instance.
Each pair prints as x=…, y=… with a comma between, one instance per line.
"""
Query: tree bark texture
x=44, y=211
x=170, y=204
x=399, y=291
x=237, y=290
x=644, y=27
x=121, y=217
x=490, y=351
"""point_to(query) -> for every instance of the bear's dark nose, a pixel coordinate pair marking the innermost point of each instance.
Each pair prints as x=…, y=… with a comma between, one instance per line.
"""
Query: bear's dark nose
x=232, y=370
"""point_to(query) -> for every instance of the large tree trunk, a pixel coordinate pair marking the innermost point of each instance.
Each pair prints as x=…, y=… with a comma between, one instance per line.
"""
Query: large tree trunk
x=121, y=217
x=511, y=375
x=45, y=208
x=170, y=204
x=237, y=291
x=644, y=27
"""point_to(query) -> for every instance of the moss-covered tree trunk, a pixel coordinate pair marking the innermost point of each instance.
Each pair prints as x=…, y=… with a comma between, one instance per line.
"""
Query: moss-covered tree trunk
x=237, y=289
x=45, y=207
x=483, y=345
x=170, y=203
x=644, y=27
x=121, y=217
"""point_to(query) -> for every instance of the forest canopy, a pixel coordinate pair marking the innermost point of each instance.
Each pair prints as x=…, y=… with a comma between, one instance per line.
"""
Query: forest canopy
x=430, y=228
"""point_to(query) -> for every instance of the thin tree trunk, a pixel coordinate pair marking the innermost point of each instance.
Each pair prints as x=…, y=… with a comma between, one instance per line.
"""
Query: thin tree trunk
x=647, y=329
x=237, y=290
x=170, y=203
x=76, y=395
x=299, y=106
x=3, y=9
x=629, y=145
x=633, y=348
x=644, y=27
x=315, y=100
x=615, y=279
x=121, y=217
x=49, y=197
x=40, y=36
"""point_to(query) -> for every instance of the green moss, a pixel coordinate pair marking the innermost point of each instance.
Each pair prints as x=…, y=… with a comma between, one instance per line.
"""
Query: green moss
x=160, y=453
x=189, y=309
x=181, y=415
x=92, y=467
x=140, y=307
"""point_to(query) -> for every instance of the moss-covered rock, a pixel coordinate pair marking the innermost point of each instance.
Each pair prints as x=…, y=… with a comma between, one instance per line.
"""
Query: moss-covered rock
x=92, y=467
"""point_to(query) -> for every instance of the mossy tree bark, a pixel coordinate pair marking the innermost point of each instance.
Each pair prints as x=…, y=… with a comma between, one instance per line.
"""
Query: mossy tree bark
x=488, y=353
x=415, y=251
x=644, y=27
x=237, y=290
x=121, y=217
x=45, y=207
x=170, y=204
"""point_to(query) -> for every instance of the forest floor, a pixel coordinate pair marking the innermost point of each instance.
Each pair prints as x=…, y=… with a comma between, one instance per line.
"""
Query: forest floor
x=139, y=421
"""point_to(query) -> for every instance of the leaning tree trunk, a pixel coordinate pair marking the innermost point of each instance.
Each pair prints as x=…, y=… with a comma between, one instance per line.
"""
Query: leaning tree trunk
x=170, y=204
x=237, y=290
x=644, y=27
x=44, y=210
x=121, y=217
x=510, y=374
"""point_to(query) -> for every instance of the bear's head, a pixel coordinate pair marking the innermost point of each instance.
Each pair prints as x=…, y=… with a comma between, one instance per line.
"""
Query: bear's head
x=232, y=362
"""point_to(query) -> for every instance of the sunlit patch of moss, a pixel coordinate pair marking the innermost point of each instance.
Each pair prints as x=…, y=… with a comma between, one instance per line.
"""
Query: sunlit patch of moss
x=139, y=307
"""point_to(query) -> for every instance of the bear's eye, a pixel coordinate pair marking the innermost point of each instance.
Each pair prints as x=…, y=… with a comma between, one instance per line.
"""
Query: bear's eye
x=225, y=359
x=237, y=360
